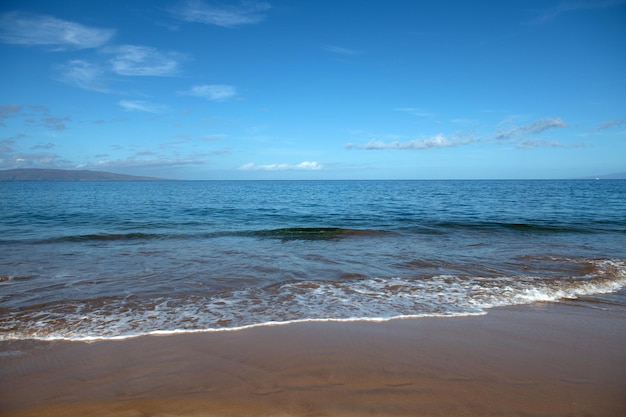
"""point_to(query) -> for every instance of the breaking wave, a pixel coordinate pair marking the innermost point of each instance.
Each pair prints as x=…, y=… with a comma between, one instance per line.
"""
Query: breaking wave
x=351, y=299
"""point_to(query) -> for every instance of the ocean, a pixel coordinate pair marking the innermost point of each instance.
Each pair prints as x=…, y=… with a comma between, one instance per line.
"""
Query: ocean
x=112, y=260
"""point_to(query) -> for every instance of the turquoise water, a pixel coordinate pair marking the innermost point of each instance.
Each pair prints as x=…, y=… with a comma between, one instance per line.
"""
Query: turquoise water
x=90, y=260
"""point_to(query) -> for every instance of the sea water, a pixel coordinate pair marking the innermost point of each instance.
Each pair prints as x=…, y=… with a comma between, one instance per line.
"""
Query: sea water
x=98, y=260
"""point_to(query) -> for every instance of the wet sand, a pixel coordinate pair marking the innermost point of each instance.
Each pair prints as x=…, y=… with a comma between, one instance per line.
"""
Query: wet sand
x=543, y=360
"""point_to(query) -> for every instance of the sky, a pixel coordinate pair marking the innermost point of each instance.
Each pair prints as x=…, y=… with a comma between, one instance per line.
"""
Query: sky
x=341, y=89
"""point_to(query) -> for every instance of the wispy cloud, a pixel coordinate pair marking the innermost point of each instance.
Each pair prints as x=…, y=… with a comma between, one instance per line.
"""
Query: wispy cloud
x=6, y=145
x=114, y=120
x=21, y=28
x=463, y=121
x=83, y=74
x=55, y=123
x=8, y=110
x=507, y=130
x=43, y=116
x=415, y=111
x=609, y=124
x=508, y=133
x=134, y=60
x=32, y=160
x=128, y=60
x=437, y=141
x=11, y=157
x=212, y=138
x=38, y=108
x=229, y=16
x=48, y=145
x=541, y=125
x=549, y=14
x=146, y=159
x=340, y=50
x=302, y=166
x=141, y=105
x=214, y=92
x=541, y=143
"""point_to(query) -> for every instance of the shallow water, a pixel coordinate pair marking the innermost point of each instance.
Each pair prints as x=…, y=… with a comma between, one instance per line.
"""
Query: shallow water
x=116, y=259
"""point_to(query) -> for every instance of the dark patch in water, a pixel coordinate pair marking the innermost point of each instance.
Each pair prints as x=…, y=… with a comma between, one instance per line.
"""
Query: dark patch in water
x=104, y=237
x=316, y=233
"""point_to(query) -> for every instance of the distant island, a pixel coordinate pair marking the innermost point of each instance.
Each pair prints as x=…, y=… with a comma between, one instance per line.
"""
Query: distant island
x=616, y=176
x=35, y=174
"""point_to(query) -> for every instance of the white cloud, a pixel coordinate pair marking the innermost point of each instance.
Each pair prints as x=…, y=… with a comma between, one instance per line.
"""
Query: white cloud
x=82, y=74
x=437, y=141
x=302, y=166
x=246, y=12
x=140, y=105
x=134, y=60
x=511, y=131
x=27, y=29
x=215, y=92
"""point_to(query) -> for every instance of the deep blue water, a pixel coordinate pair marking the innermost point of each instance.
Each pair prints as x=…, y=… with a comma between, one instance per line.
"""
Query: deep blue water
x=115, y=259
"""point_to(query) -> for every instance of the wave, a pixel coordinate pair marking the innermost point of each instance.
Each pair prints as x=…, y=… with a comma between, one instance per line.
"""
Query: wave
x=539, y=226
x=348, y=299
x=382, y=228
x=315, y=233
x=294, y=233
x=104, y=237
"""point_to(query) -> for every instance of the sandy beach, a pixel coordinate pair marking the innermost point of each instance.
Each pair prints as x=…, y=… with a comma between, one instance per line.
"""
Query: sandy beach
x=543, y=360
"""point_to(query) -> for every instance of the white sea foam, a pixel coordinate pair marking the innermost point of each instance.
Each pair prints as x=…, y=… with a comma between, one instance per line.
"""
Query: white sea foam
x=374, y=299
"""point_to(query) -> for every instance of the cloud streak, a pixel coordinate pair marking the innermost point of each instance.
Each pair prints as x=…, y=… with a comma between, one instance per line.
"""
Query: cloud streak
x=523, y=137
x=19, y=28
x=415, y=111
x=548, y=15
x=134, y=60
x=82, y=74
x=609, y=124
x=340, y=50
x=302, y=166
x=213, y=92
x=534, y=128
x=541, y=125
x=127, y=60
x=245, y=13
x=142, y=160
x=144, y=106
x=437, y=141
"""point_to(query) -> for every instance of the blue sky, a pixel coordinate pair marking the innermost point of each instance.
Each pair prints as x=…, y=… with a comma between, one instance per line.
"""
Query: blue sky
x=321, y=89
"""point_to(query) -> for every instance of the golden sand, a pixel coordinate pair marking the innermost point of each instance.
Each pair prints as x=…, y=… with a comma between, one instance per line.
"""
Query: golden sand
x=545, y=360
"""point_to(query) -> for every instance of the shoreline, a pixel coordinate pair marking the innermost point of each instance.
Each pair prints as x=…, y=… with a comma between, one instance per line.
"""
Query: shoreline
x=557, y=359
